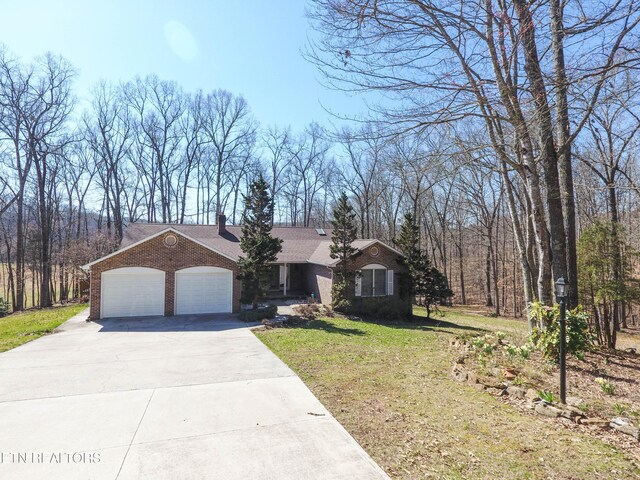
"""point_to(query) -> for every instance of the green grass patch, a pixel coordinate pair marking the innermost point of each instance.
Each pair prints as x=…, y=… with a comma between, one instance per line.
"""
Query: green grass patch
x=389, y=384
x=19, y=328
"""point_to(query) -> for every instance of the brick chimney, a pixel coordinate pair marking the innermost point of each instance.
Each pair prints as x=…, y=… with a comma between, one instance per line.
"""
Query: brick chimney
x=222, y=224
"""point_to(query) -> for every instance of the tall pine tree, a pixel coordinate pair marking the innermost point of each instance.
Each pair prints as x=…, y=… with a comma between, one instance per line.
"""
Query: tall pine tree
x=427, y=284
x=259, y=247
x=408, y=241
x=344, y=233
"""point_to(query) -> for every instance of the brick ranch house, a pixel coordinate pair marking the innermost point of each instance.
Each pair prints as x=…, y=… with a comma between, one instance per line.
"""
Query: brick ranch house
x=163, y=269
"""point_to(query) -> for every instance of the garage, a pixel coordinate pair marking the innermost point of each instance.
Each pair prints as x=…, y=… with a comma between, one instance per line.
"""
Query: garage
x=203, y=290
x=132, y=292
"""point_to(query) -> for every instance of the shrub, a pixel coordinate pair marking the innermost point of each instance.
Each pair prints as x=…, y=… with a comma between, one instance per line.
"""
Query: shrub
x=341, y=302
x=384, y=308
x=259, y=314
x=4, y=307
x=546, y=336
x=313, y=310
x=305, y=310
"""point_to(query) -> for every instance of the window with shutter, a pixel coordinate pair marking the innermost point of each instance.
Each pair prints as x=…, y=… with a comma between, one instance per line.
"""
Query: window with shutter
x=373, y=281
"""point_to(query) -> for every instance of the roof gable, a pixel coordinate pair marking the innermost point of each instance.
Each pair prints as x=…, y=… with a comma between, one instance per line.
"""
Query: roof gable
x=321, y=255
x=131, y=244
x=300, y=244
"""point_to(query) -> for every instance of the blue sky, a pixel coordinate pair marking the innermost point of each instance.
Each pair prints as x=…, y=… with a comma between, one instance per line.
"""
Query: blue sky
x=249, y=47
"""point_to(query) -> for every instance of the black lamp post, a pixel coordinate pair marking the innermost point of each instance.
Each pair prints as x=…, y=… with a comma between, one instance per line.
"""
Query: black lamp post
x=561, y=294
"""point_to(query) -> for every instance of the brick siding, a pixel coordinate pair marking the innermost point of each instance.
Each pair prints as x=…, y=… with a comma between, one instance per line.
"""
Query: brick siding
x=386, y=257
x=318, y=282
x=319, y=277
x=154, y=254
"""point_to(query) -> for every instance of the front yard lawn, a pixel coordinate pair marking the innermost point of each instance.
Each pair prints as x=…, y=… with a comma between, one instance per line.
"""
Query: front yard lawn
x=390, y=386
x=19, y=328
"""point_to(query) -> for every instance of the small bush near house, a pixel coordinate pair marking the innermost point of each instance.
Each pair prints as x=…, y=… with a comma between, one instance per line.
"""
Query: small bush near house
x=384, y=308
x=340, y=301
x=546, y=337
x=307, y=310
x=259, y=314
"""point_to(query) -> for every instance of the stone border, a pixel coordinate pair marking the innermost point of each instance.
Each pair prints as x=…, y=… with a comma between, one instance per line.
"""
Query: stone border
x=570, y=411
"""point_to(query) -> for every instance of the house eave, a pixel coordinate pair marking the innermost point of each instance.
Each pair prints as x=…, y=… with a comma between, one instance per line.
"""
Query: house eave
x=88, y=266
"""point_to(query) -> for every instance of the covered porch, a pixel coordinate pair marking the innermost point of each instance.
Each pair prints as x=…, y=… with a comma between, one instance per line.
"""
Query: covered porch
x=288, y=280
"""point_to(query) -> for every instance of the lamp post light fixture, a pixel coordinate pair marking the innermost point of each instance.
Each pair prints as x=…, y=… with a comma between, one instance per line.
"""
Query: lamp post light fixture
x=561, y=294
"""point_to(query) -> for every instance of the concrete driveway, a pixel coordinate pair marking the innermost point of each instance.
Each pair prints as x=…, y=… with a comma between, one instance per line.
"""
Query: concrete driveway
x=164, y=398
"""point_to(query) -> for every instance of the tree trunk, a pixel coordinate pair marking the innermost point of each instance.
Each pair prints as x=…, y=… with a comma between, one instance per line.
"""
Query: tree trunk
x=618, y=274
x=20, y=293
x=463, y=294
x=548, y=152
x=487, y=271
x=564, y=158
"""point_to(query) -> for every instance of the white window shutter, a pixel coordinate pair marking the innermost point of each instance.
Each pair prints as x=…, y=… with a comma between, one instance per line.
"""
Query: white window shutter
x=358, y=284
x=389, y=282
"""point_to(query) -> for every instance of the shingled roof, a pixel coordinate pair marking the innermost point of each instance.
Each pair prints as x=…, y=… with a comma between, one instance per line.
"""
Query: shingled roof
x=299, y=244
x=321, y=254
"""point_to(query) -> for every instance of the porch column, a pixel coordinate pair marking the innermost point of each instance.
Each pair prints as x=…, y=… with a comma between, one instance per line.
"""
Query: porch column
x=285, y=279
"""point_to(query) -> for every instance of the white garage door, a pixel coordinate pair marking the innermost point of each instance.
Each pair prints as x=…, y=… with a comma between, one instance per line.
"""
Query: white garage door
x=203, y=290
x=132, y=292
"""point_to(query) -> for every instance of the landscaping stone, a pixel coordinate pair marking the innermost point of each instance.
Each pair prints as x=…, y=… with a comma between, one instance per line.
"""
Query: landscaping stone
x=574, y=401
x=625, y=425
x=459, y=374
x=516, y=392
x=546, y=409
x=595, y=422
x=497, y=385
x=532, y=395
x=461, y=358
x=572, y=413
x=575, y=410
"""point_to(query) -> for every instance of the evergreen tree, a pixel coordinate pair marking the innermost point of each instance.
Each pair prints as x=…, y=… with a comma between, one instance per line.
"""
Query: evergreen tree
x=344, y=233
x=259, y=247
x=408, y=241
x=427, y=283
x=434, y=287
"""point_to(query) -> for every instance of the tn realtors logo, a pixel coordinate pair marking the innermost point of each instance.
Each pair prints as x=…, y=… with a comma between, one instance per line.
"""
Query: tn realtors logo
x=49, y=457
